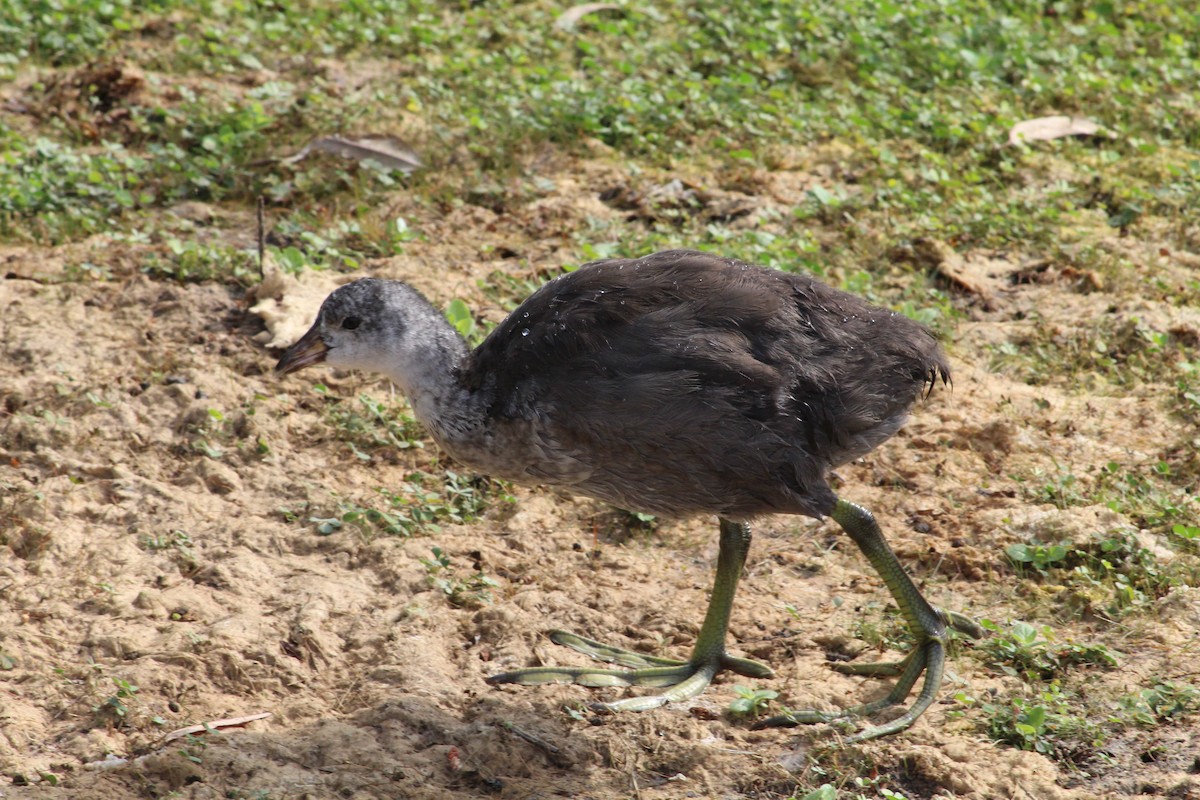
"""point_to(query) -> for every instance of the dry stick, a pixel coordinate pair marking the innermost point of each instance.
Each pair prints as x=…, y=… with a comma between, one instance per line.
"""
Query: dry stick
x=533, y=739
x=262, y=247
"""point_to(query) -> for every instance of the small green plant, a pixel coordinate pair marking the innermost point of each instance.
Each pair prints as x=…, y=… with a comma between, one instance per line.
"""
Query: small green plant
x=1039, y=556
x=1051, y=722
x=1133, y=576
x=751, y=703
x=1149, y=496
x=422, y=503
x=189, y=261
x=1112, y=571
x=474, y=591
x=460, y=316
x=887, y=631
x=114, y=710
x=826, y=791
x=1030, y=653
x=373, y=424
x=193, y=746
x=1163, y=702
x=178, y=543
x=1189, y=533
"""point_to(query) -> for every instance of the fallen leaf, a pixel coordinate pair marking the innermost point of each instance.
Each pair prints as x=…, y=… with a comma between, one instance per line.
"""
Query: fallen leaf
x=288, y=304
x=388, y=151
x=1044, y=129
x=215, y=725
x=570, y=18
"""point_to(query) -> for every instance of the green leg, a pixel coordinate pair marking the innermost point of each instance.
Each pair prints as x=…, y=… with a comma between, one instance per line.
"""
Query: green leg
x=684, y=679
x=927, y=624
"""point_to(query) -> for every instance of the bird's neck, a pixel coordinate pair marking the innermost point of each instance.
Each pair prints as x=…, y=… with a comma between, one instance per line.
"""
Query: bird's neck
x=429, y=377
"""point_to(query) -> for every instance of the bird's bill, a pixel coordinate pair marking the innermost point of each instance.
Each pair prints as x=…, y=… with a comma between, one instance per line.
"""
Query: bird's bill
x=307, y=351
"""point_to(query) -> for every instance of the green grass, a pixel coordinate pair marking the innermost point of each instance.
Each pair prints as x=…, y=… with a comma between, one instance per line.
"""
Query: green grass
x=918, y=96
x=369, y=425
x=1031, y=653
x=1113, y=355
x=420, y=505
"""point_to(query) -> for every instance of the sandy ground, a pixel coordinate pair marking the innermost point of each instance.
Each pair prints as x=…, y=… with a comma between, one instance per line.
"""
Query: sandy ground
x=157, y=484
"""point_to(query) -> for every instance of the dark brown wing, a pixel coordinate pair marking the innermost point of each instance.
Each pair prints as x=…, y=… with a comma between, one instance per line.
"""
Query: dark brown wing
x=684, y=375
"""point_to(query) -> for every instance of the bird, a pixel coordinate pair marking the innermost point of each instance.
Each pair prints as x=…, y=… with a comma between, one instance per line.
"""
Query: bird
x=677, y=384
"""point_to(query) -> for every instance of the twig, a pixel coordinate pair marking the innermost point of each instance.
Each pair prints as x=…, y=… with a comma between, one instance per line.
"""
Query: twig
x=262, y=240
x=533, y=739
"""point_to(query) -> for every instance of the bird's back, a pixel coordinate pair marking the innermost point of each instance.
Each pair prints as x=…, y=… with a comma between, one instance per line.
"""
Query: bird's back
x=686, y=383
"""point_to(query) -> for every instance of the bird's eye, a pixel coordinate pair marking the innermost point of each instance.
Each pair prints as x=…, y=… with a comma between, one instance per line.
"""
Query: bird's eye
x=350, y=323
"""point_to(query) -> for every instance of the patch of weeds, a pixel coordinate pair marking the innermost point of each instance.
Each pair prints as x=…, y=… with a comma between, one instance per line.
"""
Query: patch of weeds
x=1038, y=556
x=1165, y=701
x=1149, y=497
x=373, y=424
x=117, y=710
x=1113, y=570
x=1030, y=653
x=190, y=261
x=1051, y=723
x=51, y=192
x=342, y=244
x=1185, y=402
x=424, y=502
x=1190, y=534
x=211, y=430
x=751, y=703
x=177, y=544
x=826, y=791
x=472, y=591
x=509, y=290
x=86, y=271
x=1061, y=489
x=887, y=632
x=1111, y=355
x=1133, y=575
x=866, y=787
x=193, y=747
x=63, y=32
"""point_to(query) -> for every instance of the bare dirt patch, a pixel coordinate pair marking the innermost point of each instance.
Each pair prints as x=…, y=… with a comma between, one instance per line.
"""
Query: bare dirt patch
x=160, y=567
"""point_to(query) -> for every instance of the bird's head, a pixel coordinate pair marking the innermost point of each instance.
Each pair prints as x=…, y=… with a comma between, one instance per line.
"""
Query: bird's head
x=369, y=324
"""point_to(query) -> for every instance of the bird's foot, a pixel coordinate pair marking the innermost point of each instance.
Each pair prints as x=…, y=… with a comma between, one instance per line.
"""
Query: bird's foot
x=961, y=623
x=682, y=679
x=890, y=669
x=928, y=657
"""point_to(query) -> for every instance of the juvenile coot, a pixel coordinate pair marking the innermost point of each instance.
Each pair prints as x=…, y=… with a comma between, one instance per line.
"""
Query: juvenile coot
x=675, y=384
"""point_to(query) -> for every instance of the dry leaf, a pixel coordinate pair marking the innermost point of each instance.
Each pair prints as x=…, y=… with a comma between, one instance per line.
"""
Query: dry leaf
x=1044, y=129
x=215, y=725
x=390, y=152
x=288, y=304
x=569, y=18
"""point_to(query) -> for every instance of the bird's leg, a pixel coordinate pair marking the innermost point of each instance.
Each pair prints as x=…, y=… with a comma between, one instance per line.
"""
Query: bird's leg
x=926, y=623
x=686, y=679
